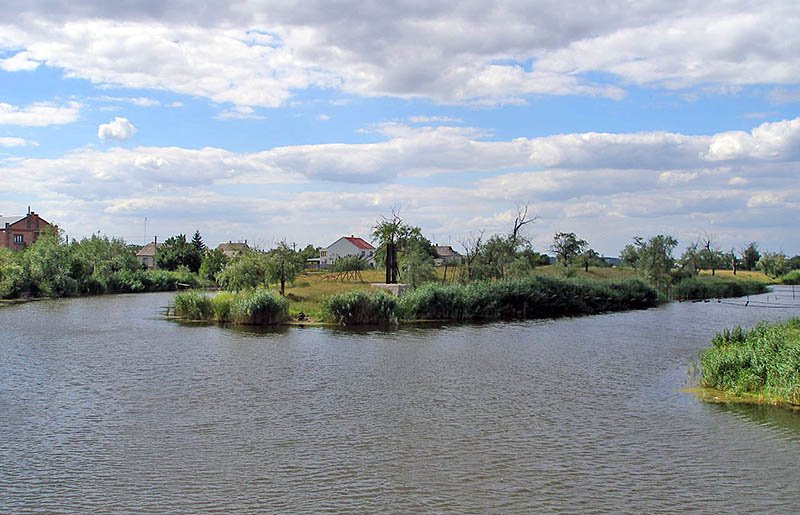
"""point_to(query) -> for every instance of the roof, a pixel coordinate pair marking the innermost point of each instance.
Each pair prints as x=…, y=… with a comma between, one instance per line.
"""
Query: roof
x=230, y=249
x=148, y=250
x=359, y=243
x=9, y=220
x=445, y=251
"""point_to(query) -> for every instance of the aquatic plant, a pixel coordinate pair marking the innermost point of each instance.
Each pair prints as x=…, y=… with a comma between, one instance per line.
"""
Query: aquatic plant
x=193, y=305
x=695, y=289
x=763, y=361
x=258, y=307
x=361, y=308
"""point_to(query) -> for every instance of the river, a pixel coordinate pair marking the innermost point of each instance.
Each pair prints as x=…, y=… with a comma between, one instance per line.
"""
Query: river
x=107, y=407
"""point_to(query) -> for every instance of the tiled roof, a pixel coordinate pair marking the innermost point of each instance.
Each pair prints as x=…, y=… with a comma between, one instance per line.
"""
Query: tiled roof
x=9, y=220
x=359, y=243
x=444, y=251
x=148, y=250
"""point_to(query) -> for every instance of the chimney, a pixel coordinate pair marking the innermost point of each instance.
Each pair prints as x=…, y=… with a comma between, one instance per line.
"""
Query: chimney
x=155, y=240
x=29, y=209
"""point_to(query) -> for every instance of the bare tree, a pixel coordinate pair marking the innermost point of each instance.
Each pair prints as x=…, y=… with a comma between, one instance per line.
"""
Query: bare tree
x=520, y=221
x=473, y=244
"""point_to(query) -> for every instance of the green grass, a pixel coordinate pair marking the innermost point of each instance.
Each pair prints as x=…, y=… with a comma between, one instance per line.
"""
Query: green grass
x=762, y=363
x=708, y=287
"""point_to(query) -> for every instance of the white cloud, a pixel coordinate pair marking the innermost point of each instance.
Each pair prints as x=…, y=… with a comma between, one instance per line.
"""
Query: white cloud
x=20, y=62
x=239, y=113
x=323, y=117
x=770, y=141
x=39, y=114
x=465, y=53
x=9, y=142
x=119, y=129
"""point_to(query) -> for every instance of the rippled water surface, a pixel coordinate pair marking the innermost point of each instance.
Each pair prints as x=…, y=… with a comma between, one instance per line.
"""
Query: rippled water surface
x=106, y=407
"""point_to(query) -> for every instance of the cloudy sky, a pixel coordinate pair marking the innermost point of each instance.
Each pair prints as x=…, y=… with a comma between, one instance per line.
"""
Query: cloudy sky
x=310, y=120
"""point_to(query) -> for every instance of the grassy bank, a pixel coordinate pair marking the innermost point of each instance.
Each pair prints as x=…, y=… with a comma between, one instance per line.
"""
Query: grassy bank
x=709, y=287
x=757, y=365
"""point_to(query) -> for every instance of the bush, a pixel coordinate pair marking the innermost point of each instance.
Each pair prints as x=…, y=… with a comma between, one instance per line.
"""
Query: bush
x=792, y=277
x=361, y=308
x=762, y=361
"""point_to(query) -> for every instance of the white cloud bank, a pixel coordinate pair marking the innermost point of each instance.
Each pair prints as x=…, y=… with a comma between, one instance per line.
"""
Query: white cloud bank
x=257, y=53
x=119, y=129
x=449, y=180
x=39, y=114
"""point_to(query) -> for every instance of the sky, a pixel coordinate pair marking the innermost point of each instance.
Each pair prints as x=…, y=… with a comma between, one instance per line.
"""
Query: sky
x=306, y=121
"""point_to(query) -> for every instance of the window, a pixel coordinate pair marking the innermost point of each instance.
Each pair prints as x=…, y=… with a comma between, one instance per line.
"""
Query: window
x=19, y=239
x=323, y=253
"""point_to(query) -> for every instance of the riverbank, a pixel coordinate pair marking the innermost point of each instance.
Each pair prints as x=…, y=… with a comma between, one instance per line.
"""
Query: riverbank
x=760, y=365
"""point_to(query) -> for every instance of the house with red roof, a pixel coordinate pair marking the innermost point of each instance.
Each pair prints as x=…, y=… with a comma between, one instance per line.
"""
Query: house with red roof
x=17, y=232
x=346, y=246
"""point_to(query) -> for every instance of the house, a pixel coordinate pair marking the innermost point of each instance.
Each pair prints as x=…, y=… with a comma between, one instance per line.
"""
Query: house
x=147, y=255
x=347, y=246
x=17, y=232
x=233, y=248
x=445, y=255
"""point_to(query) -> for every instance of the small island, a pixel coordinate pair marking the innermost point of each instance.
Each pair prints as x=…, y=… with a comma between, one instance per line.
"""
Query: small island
x=760, y=365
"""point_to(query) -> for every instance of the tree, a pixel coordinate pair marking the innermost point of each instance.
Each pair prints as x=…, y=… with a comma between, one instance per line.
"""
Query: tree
x=47, y=265
x=653, y=258
x=282, y=265
x=246, y=270
x=388, y=232
x=710, y=257
x=13, y=280
x=197, y=242
x=750, y=256
x=590, y=257
x=176, y=252
x=774, y=264
x=402, y=248
x=213, y=262
x=567, y=247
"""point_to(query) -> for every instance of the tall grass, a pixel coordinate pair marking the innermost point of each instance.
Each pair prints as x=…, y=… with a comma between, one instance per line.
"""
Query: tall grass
x=361, y=308
x=695, y=289
x=538, y=297
x=249, y=307
x=763, y=361
x=792, y=277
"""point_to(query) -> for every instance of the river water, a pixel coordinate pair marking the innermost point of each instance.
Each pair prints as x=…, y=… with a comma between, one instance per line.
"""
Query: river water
x=107, y=407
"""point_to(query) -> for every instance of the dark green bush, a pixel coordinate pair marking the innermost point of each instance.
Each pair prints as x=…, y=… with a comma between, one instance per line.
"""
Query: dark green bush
x=696, y=289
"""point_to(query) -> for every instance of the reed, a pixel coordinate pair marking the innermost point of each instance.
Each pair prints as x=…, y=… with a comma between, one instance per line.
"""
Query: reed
x=193, y=305
x=708, y=288
x=249, y=307
x=763, y=362
x=361, y=308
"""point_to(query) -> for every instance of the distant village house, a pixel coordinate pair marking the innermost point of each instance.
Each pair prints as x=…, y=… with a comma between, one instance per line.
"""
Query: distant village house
x=147, y=255
x=17, y=232
x=445, y=255
x=233, y=248
x=344, y=247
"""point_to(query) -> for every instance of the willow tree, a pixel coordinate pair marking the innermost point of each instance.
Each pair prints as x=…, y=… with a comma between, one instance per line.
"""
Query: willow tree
x=388, y=233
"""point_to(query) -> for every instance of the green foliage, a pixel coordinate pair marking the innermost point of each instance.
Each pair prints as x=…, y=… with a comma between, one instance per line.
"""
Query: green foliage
x=197, y=243
x=402, y=247
x=774, y=264
x=691, y=288
x=750, y=256
x=361, y=308
x=47, y=265
x=246, y=270
x=282, y=265
x=250, y=307
x=567, y=247
x=352, y=263
x=258, y=307
x=176, y=252
x=13, y=279
x=653, y=258
x=792, y=277
x=537, y=297
x=761, y=361
x=416, y=267
x=213, y=262
x=193, y=305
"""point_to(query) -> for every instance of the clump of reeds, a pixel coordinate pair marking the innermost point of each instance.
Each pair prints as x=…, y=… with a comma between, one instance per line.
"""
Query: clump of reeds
x=763, y=361
x=361, y=308
x=695, y=289
x=193, y=305
x=249, y=307
x=537, y=297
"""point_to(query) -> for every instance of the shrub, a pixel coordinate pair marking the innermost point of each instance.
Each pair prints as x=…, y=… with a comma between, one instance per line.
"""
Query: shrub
x=792, y=277
x=221, y=302
x=361, y=308
x=695, y=289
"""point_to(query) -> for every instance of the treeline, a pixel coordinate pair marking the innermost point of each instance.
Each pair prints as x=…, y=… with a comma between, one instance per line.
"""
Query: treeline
x=52, y=268
x=533, y=297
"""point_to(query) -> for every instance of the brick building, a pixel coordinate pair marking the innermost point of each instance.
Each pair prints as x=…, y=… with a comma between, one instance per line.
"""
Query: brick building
x=17, y=232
